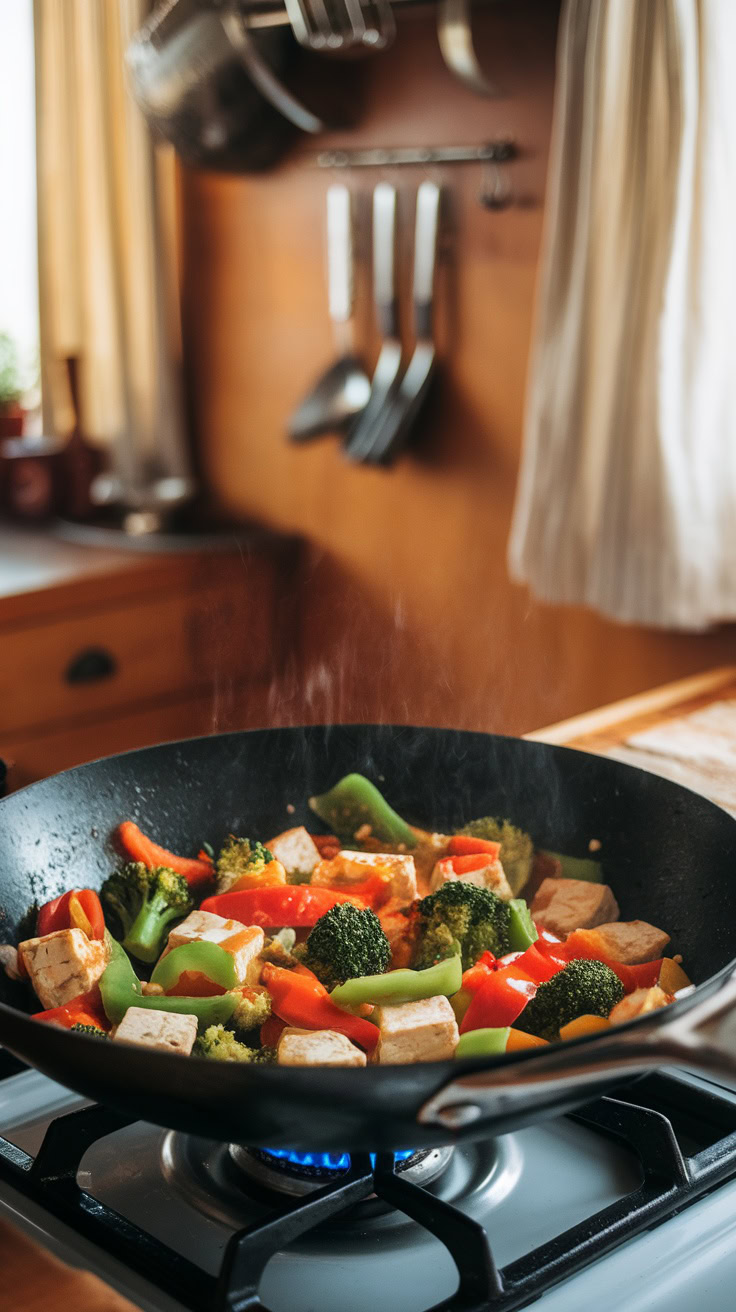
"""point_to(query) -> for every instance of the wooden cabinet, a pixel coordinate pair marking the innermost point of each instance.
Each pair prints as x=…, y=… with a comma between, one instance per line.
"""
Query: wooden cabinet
x=125, y=650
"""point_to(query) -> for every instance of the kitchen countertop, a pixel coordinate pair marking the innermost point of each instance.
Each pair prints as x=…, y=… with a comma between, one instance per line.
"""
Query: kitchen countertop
x=686, y=730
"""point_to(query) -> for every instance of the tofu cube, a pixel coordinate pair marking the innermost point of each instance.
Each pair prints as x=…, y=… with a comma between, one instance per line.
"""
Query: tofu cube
x=398, y=869
x=638, y=1003
x=243, y=942
x=425, y=1030
x=296, y=851
x=491, y=876
x=563, y=905
x=317, y=1048
x=632, y=941
x=164, y=1030
x=63, y=964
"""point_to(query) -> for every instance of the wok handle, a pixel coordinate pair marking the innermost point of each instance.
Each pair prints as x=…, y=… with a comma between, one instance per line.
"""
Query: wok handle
x=700, y=1039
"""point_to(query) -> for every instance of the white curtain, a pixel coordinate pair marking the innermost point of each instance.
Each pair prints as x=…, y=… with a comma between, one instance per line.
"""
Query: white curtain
x=627, y=492
x=107, y=243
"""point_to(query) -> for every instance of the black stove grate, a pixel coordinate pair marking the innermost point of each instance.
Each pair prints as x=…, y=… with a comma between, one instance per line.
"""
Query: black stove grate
x=654, y=1118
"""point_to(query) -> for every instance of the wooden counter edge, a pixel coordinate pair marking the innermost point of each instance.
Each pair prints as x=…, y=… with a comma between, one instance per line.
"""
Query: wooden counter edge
x=616, y=721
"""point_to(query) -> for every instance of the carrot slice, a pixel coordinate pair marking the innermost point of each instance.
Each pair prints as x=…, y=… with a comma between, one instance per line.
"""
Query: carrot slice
x=140, y=848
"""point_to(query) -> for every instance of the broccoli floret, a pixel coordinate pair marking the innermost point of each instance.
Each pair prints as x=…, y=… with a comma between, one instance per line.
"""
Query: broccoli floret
x=238, y=857
x=517, y=848
x=252, y=1008
x=280, y=950
x=145, y=900
x=461, y=915
x=220, y=1044
x=94, y=1030
x=583, y=988
x=346, y=942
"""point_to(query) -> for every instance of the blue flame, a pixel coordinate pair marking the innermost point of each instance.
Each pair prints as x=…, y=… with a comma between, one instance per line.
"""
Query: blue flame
x=326, y=1161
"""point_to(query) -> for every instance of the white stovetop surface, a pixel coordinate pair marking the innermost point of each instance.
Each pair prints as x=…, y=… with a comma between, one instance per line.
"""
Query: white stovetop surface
x=545, y=1179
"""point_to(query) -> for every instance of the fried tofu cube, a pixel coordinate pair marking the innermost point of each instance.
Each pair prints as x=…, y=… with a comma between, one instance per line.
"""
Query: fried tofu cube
x=564, y=905
x=638, y=1003
x=317, y=1048
x=63, y=964
x=632, y=941
x=296, y=850
x=425, y=1030
x=165, y=1030
x=243, y=942
x=397, y=868
x=490, y=876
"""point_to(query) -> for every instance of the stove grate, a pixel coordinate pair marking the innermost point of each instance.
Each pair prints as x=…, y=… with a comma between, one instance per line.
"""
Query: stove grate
x=646, y=1118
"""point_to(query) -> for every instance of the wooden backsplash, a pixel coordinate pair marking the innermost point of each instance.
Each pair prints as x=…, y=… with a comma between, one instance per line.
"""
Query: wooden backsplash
x=409, y=612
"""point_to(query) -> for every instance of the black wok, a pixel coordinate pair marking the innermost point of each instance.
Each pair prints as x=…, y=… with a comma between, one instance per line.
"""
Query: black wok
x=669, y=855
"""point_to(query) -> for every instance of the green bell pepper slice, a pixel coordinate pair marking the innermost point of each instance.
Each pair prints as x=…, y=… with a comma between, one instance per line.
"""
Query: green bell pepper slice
x=482, y=1043
x=578, y=867
x=120, y=989
x=355, y=802
x=202, y=958
x=522, y=930
x=401, y=985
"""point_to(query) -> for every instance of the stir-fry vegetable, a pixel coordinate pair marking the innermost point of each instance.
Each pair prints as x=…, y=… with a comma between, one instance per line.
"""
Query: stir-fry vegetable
x=376, y=941
x=346, y=942
x=197, y=872
x=206, y=967
x=80, y=908
x=354, y=805
x=402, y=985
x=460, y=913
x=297, y=905
x=299, y=999
x=120, y=989
x=145, y=899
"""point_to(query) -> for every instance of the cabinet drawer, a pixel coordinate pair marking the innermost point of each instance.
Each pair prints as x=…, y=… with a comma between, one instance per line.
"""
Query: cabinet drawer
x=153, y=645
x=37, y=755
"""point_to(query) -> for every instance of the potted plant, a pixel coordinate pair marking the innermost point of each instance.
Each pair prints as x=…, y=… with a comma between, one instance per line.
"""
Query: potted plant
x=11, y=389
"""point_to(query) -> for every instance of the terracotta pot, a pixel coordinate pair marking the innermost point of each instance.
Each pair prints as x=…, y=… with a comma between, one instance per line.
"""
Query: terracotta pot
x=11, y=420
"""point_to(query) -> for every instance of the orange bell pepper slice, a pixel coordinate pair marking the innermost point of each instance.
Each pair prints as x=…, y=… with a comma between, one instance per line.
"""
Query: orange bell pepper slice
x=298, y=998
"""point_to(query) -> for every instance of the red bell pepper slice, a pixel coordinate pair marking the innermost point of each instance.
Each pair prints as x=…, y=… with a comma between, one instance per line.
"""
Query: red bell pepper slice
x=87, y=1009
x=80, y=908
x=139, y=848
x=540, y=966
x=499, y=1000
x=298, y=998
x=476, y=975
x=271, y=1031
x=294, y=906
x=463, y=845
x=646, y=973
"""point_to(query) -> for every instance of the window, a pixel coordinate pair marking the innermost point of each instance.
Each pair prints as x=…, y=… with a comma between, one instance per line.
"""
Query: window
x=18, y=248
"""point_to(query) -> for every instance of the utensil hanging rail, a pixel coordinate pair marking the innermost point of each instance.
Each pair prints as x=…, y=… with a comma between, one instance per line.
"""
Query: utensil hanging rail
x=494, y=151
x=272, y=13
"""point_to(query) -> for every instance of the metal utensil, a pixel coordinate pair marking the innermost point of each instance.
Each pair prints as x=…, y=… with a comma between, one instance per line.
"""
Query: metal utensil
x=343, y=390
x=211, y=86
x=391, y=434
x=455, y=35
x=263, y=76
x=388, y=366
x=342, y=26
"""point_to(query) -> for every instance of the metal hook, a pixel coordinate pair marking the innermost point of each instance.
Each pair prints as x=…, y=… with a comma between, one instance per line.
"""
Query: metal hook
x=455, y=34
x=496, y=192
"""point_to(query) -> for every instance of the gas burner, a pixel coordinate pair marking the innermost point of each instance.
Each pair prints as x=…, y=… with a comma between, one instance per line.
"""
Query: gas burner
x=297, y=1173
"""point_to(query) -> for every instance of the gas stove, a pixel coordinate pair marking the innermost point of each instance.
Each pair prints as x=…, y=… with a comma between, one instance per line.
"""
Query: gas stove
x=629, y=1202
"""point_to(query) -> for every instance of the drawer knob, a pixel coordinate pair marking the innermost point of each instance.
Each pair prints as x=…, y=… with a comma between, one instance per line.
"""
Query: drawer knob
x=90, y=666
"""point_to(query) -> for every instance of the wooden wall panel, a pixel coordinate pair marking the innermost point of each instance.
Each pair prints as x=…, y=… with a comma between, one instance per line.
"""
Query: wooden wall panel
x=409, y=612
